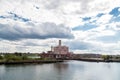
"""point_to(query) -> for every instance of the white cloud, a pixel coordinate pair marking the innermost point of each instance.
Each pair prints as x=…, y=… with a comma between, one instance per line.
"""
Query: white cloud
x=56, y=18
x=104, y=19
x=115, y=26
x=94, y=47
x=57, y=11
x=36, y=31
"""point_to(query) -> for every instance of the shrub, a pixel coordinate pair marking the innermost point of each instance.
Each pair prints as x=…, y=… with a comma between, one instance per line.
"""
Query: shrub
x=11, y=57
x=1, y=57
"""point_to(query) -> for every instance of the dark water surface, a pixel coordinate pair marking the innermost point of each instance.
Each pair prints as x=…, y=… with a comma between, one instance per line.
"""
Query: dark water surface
x=69, y=70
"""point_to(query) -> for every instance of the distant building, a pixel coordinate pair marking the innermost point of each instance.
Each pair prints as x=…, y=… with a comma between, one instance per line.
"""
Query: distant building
x=60, y=49
x=57, y=52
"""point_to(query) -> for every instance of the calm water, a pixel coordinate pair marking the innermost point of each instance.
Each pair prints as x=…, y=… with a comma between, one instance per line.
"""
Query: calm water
x=71, y=70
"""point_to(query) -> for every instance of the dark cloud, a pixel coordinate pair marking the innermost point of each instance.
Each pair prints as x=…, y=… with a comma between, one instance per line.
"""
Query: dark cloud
x=40, y=31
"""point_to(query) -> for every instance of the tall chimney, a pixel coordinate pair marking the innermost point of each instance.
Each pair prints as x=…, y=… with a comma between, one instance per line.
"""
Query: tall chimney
x=51, y=48
x=59, y=42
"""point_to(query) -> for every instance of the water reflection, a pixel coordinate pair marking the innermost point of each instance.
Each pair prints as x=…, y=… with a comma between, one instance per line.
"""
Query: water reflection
x=70, y=70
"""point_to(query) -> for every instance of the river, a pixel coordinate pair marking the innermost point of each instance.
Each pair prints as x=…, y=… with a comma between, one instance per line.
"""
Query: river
x=68, y=70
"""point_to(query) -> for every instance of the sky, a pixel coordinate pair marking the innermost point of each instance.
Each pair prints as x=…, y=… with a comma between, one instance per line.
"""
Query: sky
x=86, y=26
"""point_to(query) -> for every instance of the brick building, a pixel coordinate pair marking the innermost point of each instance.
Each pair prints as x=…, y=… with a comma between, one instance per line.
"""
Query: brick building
x=57, y=52
x=60, y=49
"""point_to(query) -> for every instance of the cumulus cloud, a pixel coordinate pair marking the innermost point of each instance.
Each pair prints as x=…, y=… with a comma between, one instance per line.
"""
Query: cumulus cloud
x=93, y=47
x=39, y=31
x=82, y=21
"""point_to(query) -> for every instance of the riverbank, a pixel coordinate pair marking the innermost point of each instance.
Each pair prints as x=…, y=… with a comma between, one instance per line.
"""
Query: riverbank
x=98, y=60
x=30, y=61
x=55, y=61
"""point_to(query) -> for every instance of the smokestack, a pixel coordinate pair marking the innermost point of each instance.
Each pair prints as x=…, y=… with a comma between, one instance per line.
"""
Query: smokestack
x=59, y=42
x=51, y=48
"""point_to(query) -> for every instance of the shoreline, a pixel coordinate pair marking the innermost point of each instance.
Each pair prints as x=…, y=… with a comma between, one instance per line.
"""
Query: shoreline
x=98, y=60
x=55, y=61
x=30, y=61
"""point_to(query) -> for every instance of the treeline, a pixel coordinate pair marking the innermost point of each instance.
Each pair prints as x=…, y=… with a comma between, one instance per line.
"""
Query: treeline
x=111, y=57
x=21, y=57
x=17, y=57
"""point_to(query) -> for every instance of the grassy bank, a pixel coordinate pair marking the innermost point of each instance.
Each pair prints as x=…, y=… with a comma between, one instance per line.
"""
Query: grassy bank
x=24, y=58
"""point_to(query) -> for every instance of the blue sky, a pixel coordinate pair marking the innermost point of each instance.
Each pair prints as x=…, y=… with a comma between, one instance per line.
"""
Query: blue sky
x=84, y=25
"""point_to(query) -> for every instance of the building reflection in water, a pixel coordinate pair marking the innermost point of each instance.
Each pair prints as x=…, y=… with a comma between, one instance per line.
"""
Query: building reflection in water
x=71, y=70
x=68, y=70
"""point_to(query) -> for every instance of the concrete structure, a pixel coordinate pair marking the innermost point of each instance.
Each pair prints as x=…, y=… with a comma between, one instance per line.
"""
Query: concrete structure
x=61, y=49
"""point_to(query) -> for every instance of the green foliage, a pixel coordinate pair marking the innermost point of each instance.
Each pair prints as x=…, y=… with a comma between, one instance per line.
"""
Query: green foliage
x=107, y=57
x=11, y=57
x=18, y=54
x=21, y=57
x=1, y=57
x=24, y=57
x=48, y=59
x=16, y=57
x=39, y=58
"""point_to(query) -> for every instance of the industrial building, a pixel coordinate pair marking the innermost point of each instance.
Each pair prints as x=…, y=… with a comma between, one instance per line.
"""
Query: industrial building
x=59, y=51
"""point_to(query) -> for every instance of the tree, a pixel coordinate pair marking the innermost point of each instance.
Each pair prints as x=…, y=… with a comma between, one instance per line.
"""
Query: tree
x=24, y=57
x=12, y=57
x=106, y=57
x=1, y=57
